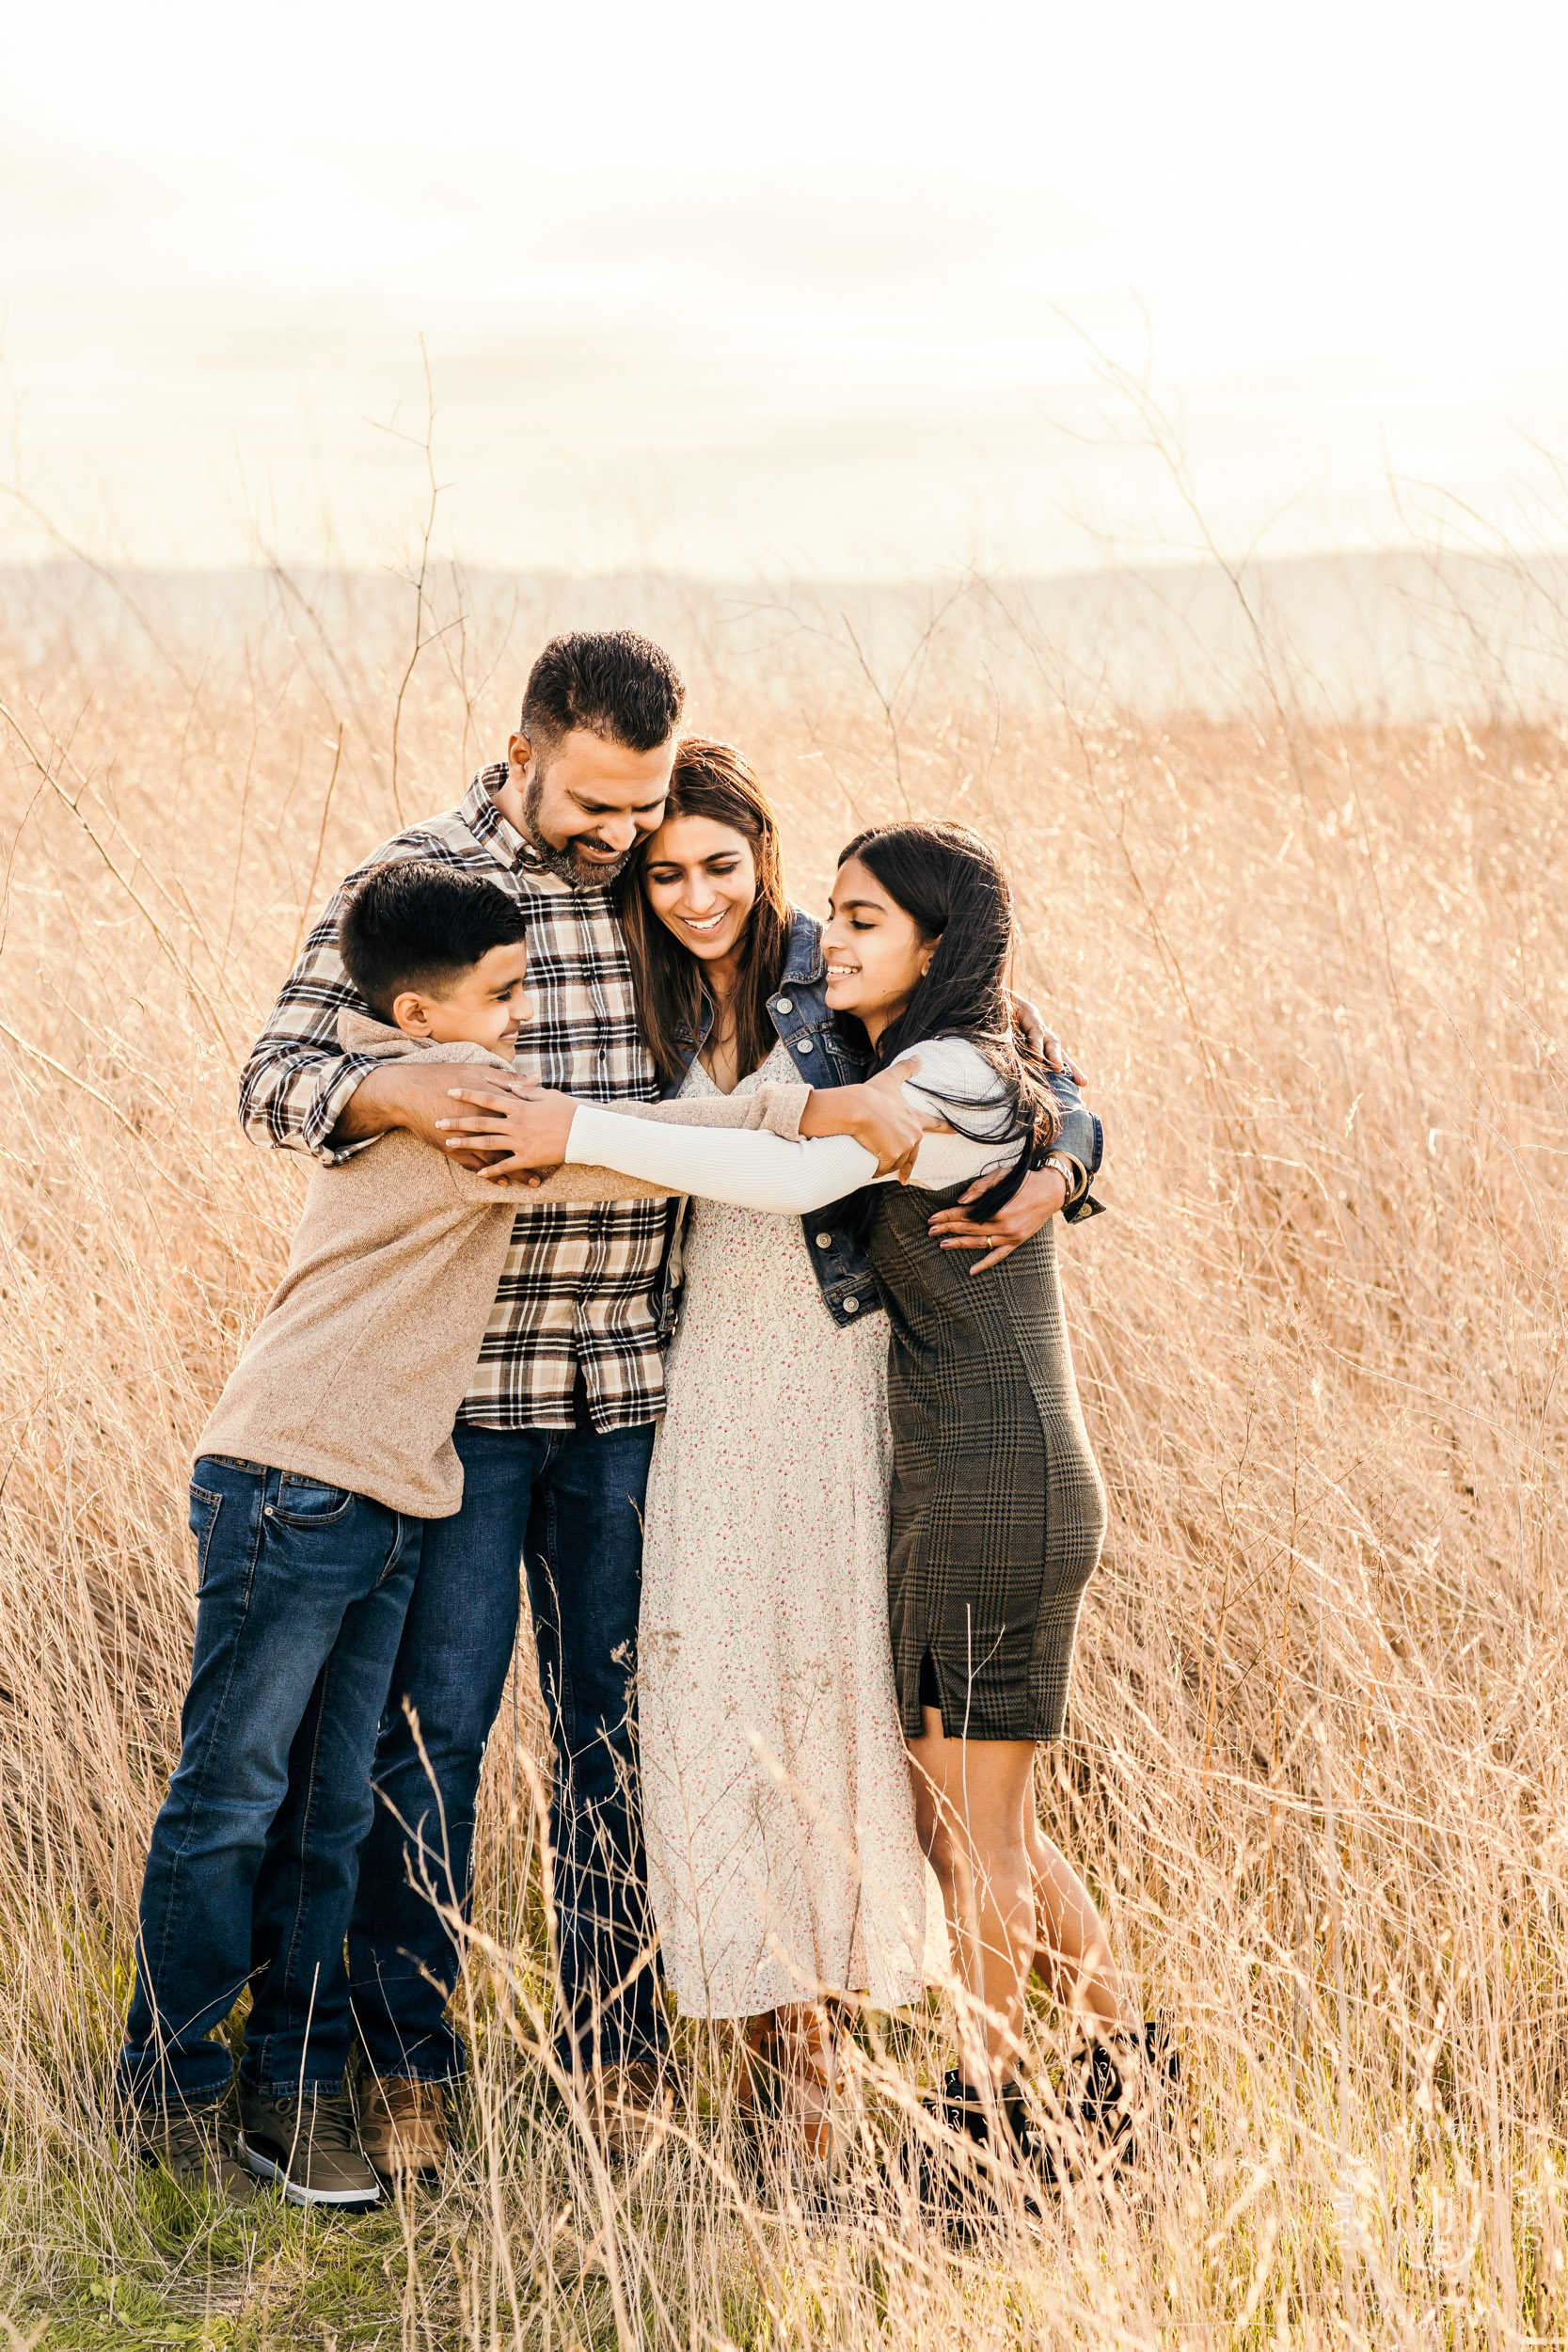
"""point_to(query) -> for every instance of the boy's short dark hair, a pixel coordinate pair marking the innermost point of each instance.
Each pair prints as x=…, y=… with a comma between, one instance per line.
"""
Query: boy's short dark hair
x=613, y=682
x=415, y=924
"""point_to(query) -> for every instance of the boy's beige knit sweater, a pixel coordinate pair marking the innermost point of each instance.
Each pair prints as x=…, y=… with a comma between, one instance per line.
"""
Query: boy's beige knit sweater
x=364, y=1353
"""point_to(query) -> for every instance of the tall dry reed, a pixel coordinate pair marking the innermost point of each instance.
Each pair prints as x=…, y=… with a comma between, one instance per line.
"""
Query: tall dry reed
x=1313, y=1763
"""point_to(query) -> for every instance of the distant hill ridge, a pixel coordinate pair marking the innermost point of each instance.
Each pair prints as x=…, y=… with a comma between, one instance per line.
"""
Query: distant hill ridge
x=1398, y=635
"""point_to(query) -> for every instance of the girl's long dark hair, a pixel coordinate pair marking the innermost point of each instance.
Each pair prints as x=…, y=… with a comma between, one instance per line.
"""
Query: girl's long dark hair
x=709, y=780
x=952, y=885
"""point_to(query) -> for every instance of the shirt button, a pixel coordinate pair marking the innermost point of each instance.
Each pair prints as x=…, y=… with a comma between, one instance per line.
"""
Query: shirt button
x=851, y=1306
x=824, y=1241
x=783, y=1005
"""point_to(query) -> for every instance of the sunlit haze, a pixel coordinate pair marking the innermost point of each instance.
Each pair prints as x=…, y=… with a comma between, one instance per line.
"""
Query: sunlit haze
x=835, y=288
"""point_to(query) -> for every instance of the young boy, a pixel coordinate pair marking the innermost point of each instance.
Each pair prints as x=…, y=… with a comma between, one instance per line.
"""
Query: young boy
x=330, y=1448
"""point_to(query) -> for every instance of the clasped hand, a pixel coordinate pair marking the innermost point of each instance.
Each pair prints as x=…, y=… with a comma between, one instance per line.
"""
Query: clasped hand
x=878, y=1116
x=528, y=1125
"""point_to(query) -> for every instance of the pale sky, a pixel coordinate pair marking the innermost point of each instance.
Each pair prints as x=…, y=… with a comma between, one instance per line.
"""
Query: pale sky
x=733, y=290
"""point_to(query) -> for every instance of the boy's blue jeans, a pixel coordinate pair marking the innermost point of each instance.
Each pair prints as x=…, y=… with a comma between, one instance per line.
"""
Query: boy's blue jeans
x=568, y=1504
x=302, y=1591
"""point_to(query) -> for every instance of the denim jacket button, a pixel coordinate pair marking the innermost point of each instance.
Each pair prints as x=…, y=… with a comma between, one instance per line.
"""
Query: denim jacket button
x=851, y=1306
x=803, y=1046
x=783, y=1005
x=824, y=1241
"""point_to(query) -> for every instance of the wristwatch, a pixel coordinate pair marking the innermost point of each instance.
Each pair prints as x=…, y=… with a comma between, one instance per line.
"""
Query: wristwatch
x=1069, y=1172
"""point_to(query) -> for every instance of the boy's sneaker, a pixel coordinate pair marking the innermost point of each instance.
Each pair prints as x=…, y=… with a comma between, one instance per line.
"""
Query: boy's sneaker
x=195, y=2147
x=403, y=2125
x=308, y=2146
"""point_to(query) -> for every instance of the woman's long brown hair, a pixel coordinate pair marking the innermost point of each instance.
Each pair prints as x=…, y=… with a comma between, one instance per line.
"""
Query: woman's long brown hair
x=954, y=888
x=709, y=780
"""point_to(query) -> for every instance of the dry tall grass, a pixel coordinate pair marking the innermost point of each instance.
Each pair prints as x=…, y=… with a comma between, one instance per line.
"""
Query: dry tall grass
x=1318, y=975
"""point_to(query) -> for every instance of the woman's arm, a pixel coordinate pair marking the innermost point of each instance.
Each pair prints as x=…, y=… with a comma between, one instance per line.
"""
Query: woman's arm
x=881, y=1114
x=1042, y=1195
x=775, y=1108
x=749, y=1171
x=534, y=1122
x=761, y=1172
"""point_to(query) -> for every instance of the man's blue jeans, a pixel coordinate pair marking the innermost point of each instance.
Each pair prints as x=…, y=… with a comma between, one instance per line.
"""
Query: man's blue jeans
x=567, y=1503
x=302, y=1590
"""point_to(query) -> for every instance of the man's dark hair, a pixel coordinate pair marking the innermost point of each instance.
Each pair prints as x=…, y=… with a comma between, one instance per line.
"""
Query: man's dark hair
x=414, y=924
x=614, y=683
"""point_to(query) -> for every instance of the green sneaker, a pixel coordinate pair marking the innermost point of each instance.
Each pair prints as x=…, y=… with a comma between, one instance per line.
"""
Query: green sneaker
x=308, y=2146
x=195, y=2147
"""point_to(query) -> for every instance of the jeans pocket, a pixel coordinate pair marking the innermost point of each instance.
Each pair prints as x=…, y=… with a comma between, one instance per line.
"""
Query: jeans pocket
x=310, y=1501
x=205, y=1507
x=408, y=1537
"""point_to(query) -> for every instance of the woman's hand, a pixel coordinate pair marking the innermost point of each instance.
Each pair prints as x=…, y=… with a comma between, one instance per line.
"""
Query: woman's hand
x=876, y=1114
x=529, y=1126
x=1035, y=1204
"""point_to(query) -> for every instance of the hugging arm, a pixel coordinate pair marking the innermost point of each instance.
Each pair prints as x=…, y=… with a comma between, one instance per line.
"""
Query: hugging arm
x=526, y=1128
x=749, y=1171
x=297, y=1082
x=754, y=1170
x=300, y=1089
x=1080, y=1139
x=774, y=1109
x=1079, y=1133
x=763, y=1171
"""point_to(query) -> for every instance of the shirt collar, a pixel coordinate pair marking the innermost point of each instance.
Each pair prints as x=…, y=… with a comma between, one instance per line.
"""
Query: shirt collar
x=500, y=836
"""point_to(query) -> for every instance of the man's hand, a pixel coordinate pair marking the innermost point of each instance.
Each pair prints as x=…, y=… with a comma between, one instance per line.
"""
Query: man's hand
x=1030, y=1023
x=1035, y=1201
x=876, y=1114
x=410, y=1095
x=526, y=1123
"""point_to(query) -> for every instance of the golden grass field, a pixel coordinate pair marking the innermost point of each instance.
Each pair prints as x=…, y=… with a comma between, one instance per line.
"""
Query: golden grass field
x=1318, y=975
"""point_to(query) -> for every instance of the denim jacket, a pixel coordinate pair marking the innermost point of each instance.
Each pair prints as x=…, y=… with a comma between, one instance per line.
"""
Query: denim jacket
x=830, y=1053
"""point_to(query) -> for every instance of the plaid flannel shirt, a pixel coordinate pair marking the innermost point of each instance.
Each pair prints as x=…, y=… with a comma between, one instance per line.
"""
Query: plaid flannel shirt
x=580, y=1285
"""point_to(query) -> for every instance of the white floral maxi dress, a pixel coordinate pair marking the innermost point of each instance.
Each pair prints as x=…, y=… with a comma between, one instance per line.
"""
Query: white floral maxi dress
x=782, y=1854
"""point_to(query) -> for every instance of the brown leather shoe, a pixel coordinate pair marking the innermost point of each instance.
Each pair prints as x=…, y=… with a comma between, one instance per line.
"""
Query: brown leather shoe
x=403, y=2125
x=630, y=2109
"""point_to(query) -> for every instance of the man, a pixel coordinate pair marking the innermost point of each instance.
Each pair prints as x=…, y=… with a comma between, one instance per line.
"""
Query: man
x=556, y=1430
x=555, y=1433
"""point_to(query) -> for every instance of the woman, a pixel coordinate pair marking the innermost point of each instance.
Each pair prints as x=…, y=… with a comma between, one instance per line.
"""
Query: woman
x=769, y=1723
x=782, y=1855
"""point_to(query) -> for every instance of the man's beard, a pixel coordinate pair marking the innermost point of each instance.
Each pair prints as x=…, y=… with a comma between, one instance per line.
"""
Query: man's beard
x=564, y=864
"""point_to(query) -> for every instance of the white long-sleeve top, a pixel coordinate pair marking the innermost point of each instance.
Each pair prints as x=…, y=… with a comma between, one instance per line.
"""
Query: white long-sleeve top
x=757, y=1171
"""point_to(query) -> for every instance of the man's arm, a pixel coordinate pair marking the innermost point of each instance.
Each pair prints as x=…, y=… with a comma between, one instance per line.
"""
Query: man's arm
x=297, y=1082
x=1042, y=1042
x=411, y=1095
x=300, y=1091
